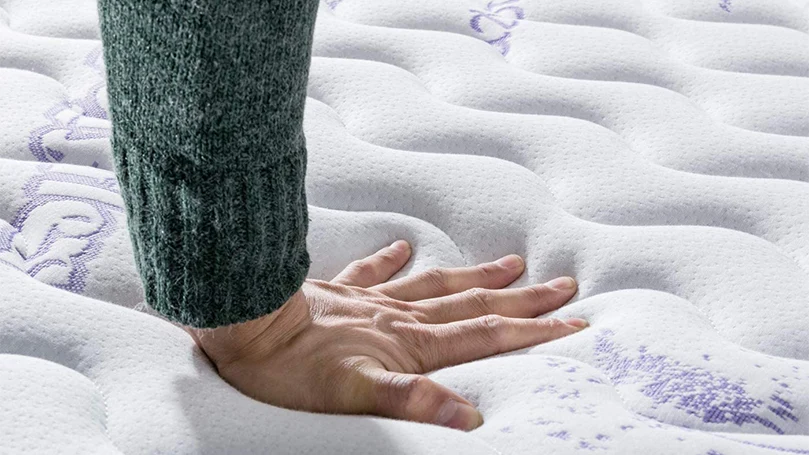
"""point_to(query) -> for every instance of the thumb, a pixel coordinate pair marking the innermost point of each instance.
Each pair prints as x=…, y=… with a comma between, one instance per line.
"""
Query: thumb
x=416, y=398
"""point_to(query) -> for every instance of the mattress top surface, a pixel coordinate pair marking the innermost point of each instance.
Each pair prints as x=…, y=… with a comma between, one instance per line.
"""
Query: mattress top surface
x=657, y=151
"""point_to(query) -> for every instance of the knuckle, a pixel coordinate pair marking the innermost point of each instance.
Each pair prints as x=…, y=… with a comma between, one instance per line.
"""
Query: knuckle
x=402, y=390
x=480, y=297
x=400, y=306
x=384, y=321
x=415, y=393
x=493, y=322
x=418, y=314
x=392, y=387
x=362, y=267
x=488, y=270
x=421, y=396
x=388, y=257
x=414, y=336
x=534, y=292
x=419, y=344
x=437, y=278
x=393, y=321
x=403, y=306
x=553, y=323
x=493, y=329
x=413, y=387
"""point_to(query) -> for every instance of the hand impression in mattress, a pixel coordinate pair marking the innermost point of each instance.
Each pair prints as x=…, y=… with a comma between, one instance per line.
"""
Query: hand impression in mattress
x=359, y=344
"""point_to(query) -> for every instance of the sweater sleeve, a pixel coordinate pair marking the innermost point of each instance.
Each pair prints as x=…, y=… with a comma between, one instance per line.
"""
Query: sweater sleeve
x=207, y=99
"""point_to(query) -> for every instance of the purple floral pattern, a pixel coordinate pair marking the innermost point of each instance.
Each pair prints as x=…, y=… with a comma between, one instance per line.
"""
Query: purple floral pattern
x=713, y=398
x=62, y=227
x=499, y=17
x=71, y=123
x=69, y=214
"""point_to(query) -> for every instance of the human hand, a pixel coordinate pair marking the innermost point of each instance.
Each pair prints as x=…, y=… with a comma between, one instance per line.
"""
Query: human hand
x=359, y=344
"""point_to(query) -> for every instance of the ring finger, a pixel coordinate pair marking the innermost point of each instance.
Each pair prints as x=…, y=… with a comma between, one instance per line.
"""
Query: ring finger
x=440, y=282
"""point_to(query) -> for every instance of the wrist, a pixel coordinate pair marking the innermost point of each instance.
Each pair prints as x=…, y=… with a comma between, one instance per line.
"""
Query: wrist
x=230, y=343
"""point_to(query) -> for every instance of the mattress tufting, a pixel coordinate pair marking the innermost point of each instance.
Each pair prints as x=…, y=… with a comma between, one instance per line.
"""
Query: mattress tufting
x=656, y=150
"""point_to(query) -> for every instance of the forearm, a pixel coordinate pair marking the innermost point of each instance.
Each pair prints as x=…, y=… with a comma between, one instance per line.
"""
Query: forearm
x=207, y=99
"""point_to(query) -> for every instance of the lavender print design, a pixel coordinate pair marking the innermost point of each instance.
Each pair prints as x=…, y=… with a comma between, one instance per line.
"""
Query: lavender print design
x=713, y=398
x=79, y=128
x=62, y=227
x=498, y=18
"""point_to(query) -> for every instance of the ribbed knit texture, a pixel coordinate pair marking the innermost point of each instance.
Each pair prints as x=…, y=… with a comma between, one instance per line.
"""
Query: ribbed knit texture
x=207, y=98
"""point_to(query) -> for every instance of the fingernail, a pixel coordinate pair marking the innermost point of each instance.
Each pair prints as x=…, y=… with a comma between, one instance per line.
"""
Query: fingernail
x=563, y=283
x=459, y=416
x=400, y=245
x=511, y=262
x=577, y=323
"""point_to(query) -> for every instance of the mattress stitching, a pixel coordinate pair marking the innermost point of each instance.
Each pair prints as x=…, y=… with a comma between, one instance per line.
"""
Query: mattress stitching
x=759, y=24
x=623, y=140
x=675, y=18
x=658, y=48
x=662, y=51
x=774, y=245
x=106, y=410
x=514, y=67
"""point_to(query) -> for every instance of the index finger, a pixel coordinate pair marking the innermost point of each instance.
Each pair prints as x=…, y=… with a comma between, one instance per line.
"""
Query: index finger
x=441, y=282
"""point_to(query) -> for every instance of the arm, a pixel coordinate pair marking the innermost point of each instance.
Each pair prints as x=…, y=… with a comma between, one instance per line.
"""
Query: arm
x=207, y=100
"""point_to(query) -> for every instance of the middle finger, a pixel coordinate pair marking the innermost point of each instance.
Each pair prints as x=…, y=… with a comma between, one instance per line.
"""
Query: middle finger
x=524, y=302
x=440, y=282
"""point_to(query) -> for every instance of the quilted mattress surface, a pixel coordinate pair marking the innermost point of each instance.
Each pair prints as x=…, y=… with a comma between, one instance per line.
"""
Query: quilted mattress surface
x=656, y=150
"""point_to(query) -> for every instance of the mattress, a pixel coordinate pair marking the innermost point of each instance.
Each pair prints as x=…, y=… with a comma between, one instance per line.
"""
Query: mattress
x=655, y=150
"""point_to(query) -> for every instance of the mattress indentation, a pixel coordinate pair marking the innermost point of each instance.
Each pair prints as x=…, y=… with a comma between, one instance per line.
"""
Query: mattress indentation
x=69, y=403
x=331, y=189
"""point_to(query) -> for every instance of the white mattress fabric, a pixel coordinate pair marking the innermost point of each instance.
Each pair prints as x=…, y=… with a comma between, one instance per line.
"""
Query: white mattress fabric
x=656, y=150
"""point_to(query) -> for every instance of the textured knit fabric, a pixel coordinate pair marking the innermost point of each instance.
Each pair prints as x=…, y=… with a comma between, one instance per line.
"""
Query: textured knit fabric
x=207, y=98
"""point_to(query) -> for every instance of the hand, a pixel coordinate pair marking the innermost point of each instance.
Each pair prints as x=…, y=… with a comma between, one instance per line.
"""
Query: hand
x=359, y=344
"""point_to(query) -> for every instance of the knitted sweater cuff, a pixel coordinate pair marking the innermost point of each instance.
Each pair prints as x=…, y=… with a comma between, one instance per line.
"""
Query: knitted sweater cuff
x=216, y=247
x=207, y=101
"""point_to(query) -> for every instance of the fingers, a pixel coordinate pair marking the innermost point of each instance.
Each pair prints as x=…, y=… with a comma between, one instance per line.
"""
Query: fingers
x=524, y=302
x=377, y=268
x=416, y=398
x=441, y=282
x=441, y=345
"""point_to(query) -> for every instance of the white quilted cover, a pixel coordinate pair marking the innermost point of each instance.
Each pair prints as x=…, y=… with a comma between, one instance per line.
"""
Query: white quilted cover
x=655, y=149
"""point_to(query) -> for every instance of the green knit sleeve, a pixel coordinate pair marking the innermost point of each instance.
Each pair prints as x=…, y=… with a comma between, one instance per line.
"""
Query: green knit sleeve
x=206, y=99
